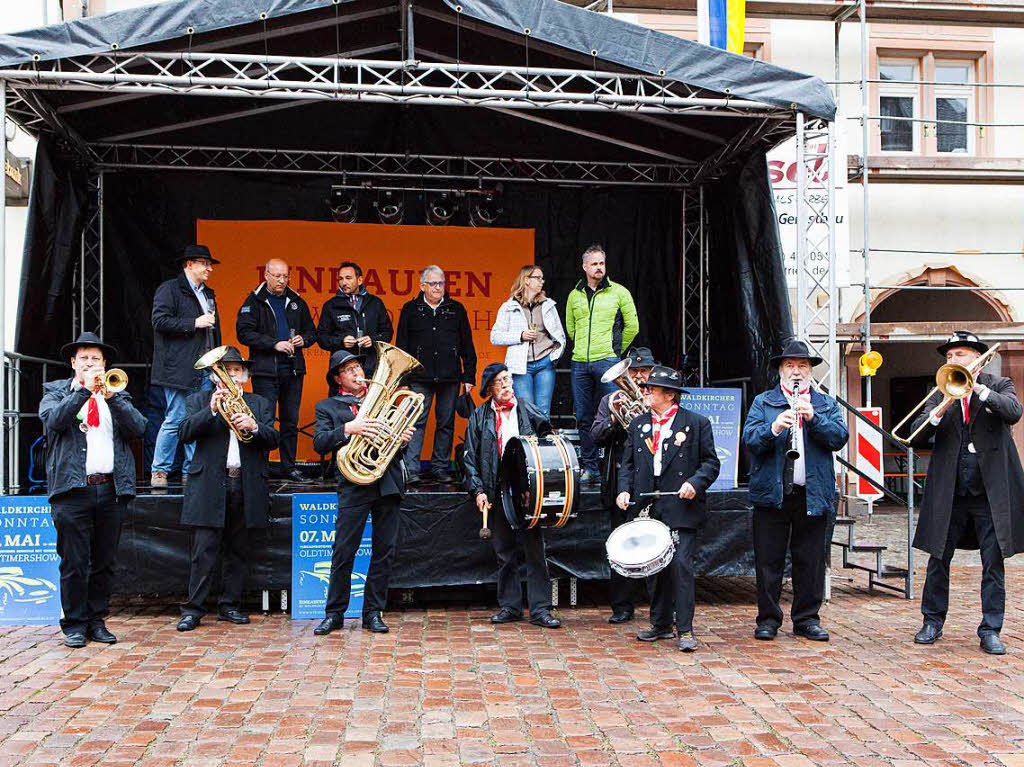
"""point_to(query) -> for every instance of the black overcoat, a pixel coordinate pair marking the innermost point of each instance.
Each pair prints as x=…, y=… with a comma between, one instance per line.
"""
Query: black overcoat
x=997, y=456
x=688, y=455
x=206, y=490
x=481, y=453
x=176, y=342
x=607, y=433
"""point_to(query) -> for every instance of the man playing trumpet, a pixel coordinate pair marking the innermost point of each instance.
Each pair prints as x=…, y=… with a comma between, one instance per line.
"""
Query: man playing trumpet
x=338, y=420
x=974, y=492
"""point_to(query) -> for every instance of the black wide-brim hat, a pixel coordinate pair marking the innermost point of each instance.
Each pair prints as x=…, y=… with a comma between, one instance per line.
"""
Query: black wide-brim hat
x=641, y=357
x=795, y=350
x=339, y=358
x=87, y=339
x=233, y=355
x=963, y=338
x=666, y=378
x=488, y=376
x=192, y=252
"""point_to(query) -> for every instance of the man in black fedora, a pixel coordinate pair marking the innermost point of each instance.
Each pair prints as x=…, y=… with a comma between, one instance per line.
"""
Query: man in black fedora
x=184, y=327
x=670, y=451
x=90, y=477
x=226, y=495
x=608, y=433
x=974, y=491
x=337, y=421
x=793, y=498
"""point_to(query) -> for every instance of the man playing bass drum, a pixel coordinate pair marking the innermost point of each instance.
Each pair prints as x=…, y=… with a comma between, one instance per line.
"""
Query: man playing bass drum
x=494, y=422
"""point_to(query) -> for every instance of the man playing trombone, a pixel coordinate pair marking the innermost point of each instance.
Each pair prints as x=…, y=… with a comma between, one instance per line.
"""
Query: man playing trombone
x=974, y=492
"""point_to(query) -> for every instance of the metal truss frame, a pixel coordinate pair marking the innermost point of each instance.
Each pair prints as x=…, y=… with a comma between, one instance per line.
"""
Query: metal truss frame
x=696, y=330
x=88, y=277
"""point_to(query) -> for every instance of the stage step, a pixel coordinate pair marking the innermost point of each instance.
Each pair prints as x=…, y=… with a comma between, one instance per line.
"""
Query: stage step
x=878, y=571
x=860, y=547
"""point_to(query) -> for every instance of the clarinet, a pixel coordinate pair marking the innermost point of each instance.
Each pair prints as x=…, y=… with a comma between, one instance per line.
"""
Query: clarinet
x=793, y=451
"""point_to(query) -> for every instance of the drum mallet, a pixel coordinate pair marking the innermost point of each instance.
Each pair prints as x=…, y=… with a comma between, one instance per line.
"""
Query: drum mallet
x=485, y=531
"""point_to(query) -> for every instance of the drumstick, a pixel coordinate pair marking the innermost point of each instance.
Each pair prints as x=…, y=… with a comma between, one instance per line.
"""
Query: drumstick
x=485, y=531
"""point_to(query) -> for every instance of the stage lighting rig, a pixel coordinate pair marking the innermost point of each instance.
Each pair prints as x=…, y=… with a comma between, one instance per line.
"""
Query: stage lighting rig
x=390, y=207
x=441, y=208
x=343, y=204
x=485, y=207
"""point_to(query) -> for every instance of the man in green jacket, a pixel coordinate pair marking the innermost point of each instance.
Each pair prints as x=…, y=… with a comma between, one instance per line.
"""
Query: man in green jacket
x=592, y=315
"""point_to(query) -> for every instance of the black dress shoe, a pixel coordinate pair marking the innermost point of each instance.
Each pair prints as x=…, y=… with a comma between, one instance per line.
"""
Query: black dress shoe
x=505, y=615
x=443, y=477
x=928, y=634
x=75, y=639
x=811, y=631
x=188, y=622
x=654, y=633
x=992, y=644
x=375, y=623
x=620, y=616
x=233, y=616
x=765, y=633
x=687, y=642
x=413, y=479
x=296, y=476
x=546, y=620
x=329, y=624
x=99, y=633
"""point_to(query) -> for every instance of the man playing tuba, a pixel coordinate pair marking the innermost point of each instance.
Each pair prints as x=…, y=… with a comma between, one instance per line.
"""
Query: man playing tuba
x=338, y=420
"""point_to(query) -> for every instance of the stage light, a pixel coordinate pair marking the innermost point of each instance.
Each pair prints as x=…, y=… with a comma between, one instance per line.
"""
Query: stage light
x=441, y=207
x=485, y=208
x=343, y=204
x=390, y=208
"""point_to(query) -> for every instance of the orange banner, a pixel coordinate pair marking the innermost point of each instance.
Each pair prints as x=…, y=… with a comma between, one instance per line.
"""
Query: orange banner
x=479, y=264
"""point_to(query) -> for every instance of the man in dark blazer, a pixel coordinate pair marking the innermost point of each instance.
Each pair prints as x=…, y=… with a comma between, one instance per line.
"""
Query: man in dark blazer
x=608, y=433
x=185, y=325
x=670, y=450
x=90, y=477
x=792, y=499
x=974, y=491
x=337, y=422
x=226, y=495
x=354, y=319
x=483, y=448
x=275, y=323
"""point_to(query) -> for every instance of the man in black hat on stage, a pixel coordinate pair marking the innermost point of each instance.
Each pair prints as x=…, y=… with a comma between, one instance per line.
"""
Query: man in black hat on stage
x=184, y=327
x=90, y=477
x=494, y=422
x=226, y=495
x=974, y=492
x=337, y=422
x=793, y=498
x=670, y=451
x=609, y=434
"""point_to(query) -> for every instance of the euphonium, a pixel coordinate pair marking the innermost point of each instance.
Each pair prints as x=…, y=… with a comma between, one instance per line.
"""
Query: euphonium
x=231, y=403
x=628, y=404
x=364, y=459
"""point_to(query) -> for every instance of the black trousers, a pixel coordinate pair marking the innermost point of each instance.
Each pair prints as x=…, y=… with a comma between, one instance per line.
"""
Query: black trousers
x=935, y=597
x=672, y=590
x=443, y=395
x=229, y=544
x=507, y=546
x=284, y=391
x=624, y=592
x=348, y=535
x=776, y=531
x=88, y=524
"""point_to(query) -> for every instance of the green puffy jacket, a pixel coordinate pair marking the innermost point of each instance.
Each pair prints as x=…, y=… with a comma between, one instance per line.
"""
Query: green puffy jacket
x=590, y=324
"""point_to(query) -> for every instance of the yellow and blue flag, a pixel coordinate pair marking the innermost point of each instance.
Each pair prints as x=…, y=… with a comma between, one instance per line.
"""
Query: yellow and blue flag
x=720, y=24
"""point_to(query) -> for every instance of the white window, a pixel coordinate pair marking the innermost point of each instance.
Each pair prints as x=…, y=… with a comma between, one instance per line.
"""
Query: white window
x=899, y=104
x=954, y=106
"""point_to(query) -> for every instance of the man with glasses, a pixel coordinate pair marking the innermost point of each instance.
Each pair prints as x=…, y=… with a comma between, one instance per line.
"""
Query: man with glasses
x=354, y=319
x=275, y=323
x=434, y=328
x=184, y=328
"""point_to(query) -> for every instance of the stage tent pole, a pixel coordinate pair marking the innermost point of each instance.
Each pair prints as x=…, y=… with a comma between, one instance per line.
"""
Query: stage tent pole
x=4, y=484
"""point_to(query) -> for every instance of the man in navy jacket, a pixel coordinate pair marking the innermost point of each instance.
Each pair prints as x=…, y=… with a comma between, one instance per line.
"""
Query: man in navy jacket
x=792, y=498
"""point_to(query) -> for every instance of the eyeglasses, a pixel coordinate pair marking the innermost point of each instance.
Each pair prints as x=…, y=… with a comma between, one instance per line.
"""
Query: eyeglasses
x=536, y=277
x=435, y=283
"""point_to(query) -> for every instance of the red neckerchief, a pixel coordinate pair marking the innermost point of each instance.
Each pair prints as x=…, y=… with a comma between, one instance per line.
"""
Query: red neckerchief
x=659, y=424
x=361, y=395
x=965, y=403
x=790, y=395
x=92, y=415
x=498, y=409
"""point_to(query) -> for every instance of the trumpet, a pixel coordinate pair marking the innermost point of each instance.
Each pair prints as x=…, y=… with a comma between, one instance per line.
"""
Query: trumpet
x=232, y=403
x=628, y=403
x=111, y=381
x=956, y=382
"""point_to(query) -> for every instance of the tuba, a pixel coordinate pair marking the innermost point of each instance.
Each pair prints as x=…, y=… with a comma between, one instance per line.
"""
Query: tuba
x=364, y=459
x=629, y=403
x=232, y=403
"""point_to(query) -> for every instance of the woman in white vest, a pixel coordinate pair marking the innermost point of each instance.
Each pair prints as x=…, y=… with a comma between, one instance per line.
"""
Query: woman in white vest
x=529, y=325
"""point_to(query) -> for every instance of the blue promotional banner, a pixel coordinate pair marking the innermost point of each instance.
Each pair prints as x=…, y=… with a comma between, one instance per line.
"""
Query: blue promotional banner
x=723, y=408
x=29, y=566
x=314, y=516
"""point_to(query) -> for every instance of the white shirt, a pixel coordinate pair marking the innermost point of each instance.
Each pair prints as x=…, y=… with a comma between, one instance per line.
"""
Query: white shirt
x=800, y=464
x=201, y=295
x=99, y=441
x=509, y=423
x=234, y=457
x=662, y=441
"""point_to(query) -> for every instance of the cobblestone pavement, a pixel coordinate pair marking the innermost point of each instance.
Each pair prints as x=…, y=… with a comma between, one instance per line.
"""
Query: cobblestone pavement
x=445, y=687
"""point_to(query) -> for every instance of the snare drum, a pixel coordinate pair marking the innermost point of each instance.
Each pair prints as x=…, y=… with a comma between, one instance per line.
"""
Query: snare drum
x=640, y=548
x=538, y=482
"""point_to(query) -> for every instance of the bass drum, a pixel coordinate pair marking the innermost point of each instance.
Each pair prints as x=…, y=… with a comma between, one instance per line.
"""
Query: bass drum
x=538, y=481
x=640, y=548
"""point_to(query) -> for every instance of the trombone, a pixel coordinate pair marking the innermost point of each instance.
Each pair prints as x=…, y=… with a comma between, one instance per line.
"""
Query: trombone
x=956, y=382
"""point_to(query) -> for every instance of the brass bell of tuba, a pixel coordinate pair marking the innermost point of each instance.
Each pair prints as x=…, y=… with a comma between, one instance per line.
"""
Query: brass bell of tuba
x=232, y=403
x=364, y=459
x=629, y=403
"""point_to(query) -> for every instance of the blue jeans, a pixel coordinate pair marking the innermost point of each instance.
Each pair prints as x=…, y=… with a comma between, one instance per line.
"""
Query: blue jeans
x=587, y=391
x=167, y=438
x=537, y=384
